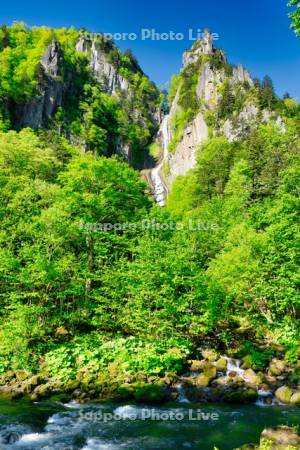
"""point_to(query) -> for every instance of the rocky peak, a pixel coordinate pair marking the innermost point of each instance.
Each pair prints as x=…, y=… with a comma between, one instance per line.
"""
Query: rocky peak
x=206, y=43
x=203, y=46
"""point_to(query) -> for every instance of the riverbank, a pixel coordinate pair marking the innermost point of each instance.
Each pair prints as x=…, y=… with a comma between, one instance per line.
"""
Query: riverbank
x=211, y=378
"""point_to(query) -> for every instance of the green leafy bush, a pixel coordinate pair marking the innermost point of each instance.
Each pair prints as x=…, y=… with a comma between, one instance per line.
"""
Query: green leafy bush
x=131, y=355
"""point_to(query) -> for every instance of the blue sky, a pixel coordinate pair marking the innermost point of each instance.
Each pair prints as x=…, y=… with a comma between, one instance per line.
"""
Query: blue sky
x=254, y=33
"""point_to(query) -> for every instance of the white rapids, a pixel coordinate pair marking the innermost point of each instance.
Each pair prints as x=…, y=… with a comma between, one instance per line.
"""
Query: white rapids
x=233, y=365
x=181, y=394
x=159, y=187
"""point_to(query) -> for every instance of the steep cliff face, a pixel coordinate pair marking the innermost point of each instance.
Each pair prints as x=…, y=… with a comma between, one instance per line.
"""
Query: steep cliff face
x=103, y=70
x=78, y=85
x=52, y=85
x=203, y=46
x=36, y=112
x=184, y=157
x=212, y=98
x=206, y=82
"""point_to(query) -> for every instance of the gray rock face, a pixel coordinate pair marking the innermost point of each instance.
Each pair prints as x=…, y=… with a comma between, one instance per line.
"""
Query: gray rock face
x=50, y=59
x=184, y=157
x=103, y=70
x=37, y=111
x=247, y=120
x=241, y=75
x=209, y=82
x=106, y=73
x=244, y=122
x=83, y=45
x=203, y=46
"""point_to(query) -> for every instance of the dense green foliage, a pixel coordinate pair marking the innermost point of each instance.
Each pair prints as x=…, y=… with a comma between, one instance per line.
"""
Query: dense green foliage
x=226, y=259
x=250, y=190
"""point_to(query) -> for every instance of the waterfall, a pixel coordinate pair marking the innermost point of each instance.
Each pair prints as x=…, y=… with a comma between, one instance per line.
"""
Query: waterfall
x=159, y=187
x=233, y=365
x=181, y=394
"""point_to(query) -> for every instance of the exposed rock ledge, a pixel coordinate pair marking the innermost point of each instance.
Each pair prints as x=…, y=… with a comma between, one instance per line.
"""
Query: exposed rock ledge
x=38, y=110
x=184, y=158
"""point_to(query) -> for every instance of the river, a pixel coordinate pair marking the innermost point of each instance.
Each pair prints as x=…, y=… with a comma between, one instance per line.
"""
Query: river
x=57, y=426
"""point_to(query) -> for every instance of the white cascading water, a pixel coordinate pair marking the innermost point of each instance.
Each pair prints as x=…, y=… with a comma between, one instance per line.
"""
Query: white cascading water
x=181, y=394
x=159, y=188
x=233, y=365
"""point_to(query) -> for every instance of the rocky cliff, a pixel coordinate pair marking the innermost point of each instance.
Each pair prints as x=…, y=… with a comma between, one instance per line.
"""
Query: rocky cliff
x=103, y=70
x=36, y=112
x=81, y=86
x=53, y=85
x=213, y=98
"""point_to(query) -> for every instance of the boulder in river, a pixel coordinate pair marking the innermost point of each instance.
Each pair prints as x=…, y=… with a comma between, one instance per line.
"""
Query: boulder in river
x=251, y=377
x=284, y=394
x=277, y=438
x=210, y=354
x=277, y=367
x=295, y=398
x=150, y=393
x=209, y=370
x=240, y=396
x=201, y=380
x=221, y=364
x=280, y=438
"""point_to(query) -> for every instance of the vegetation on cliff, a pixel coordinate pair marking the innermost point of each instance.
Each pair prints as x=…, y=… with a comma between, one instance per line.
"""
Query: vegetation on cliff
x=87, y=113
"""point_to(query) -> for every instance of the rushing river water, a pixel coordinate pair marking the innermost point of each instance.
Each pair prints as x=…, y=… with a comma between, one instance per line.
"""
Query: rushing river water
x=54, y=426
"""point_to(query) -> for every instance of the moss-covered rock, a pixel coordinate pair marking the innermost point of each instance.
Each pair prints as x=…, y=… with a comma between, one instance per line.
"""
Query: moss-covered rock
x=239, y=396
x=10, y=393
x=210, y=355
x=284, y=394
x=52, y=387
x=195, y=365
x=17, y=388
x=201, y=380
x=72, y=385
x=251, y=377
x=224, y=381
x=209, y=370
x=149, y=393
x=196, y=393
x=221, y=364
x=277, y=367
x=21, y=375
x=278, y=438
x=125, y=392
x=295, y=398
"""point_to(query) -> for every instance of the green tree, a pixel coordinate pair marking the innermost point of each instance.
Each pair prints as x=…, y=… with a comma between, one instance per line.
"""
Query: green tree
x=295, y=16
